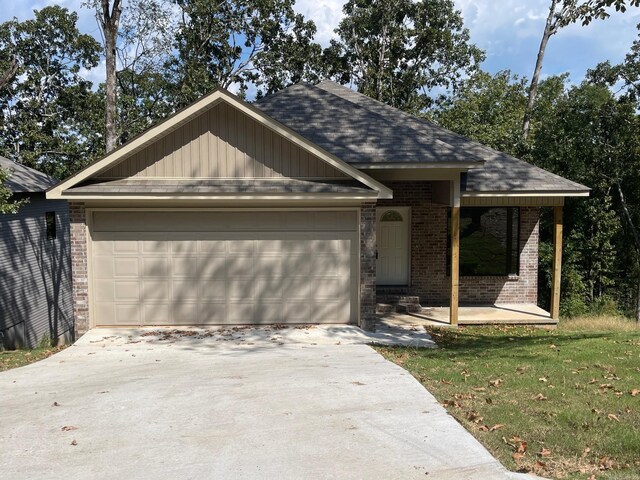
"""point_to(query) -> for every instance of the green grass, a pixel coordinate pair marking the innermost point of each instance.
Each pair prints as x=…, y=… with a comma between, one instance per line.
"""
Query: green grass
x=562, y=403
x=19, y=358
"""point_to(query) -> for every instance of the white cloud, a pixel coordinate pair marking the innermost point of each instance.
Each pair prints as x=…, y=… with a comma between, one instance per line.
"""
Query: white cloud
x=325, y=13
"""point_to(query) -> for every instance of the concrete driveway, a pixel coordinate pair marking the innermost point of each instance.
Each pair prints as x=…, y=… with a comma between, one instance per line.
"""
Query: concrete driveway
x=244, y=403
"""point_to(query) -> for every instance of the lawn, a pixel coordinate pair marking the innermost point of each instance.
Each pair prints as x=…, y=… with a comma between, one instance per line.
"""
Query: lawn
x=563, y=403
x=18, y=358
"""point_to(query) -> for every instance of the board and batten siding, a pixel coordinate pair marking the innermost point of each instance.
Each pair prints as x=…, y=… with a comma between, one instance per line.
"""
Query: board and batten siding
x=222, y=143
x=35, y=275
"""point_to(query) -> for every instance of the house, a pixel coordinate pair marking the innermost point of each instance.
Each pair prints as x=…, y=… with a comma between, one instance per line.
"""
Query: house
x=35, y=264
x=308, y=206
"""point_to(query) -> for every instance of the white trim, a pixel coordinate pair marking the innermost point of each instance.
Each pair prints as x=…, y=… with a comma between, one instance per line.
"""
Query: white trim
x=243, y=198
x=205, y=103
x=546, y=193
x=410, y=165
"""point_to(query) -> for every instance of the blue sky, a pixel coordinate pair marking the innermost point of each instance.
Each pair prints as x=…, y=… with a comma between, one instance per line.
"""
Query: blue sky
x=508, y=30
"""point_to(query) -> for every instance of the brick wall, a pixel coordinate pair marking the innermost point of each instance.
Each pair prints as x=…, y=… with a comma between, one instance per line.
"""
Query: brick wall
x=367, y=265
x=80, y=278
x=429, y=279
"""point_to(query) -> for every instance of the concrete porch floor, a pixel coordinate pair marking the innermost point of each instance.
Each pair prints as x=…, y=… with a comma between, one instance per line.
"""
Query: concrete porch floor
x=503, y=313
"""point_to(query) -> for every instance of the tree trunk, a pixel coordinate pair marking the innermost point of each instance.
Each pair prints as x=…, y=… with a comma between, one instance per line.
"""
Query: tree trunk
x=636, y=237
x=110, y=21
x=549, y=29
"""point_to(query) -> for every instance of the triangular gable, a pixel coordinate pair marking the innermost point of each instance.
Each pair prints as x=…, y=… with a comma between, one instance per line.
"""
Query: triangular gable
x=222, y=142
x=216, y=102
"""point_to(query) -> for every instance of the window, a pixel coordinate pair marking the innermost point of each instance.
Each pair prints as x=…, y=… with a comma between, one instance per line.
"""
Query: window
x=489, y=239
x=50, y=220
x=391, y=216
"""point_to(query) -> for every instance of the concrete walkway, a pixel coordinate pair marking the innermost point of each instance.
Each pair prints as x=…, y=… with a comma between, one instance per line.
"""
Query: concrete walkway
x=237, y=403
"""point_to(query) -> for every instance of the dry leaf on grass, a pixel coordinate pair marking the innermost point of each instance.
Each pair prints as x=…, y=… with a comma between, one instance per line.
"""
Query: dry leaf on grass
x=635, y=392
x=496, y=427
x=540, y=397
x=613, y=416
x=495, y=383
x=545, y=452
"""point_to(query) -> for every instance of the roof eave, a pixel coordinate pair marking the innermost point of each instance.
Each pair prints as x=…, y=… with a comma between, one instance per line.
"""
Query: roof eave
x=527, y=193
x=462, y=166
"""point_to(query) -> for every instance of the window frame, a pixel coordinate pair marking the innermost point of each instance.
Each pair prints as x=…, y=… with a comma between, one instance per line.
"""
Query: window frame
x=515, y=246
x=50, y=225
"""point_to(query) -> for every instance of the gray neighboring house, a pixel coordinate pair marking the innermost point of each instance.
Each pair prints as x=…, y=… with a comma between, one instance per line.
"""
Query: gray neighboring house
x=35, y=264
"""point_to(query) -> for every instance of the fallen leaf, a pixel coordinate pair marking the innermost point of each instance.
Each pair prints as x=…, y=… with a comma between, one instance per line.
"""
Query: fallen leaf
x=635, y=392
x=55, y=404
x=495, y=383
x=496, y=427
x=488, y=400
x=585, y=452
x=74, y=443
x=479, y=389
x=540, y=397
x=612, y=416
x=483, y=428
x=545, y=452
x=543, y=379
x=522, y=447
x=518, y=456
x=68, y=428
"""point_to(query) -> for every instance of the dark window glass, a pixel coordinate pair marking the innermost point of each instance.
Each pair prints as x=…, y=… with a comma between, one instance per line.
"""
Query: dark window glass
x=50, y=219
x=489, y=239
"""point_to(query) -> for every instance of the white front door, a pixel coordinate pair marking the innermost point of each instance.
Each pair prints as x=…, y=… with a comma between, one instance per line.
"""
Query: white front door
x=393, y=245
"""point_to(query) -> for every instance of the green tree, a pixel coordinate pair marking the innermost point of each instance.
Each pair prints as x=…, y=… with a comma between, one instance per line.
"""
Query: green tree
x=399, y=52
x=46, y=104
x=261, y=44
x=7, y=204
x=561, y=14
x=592, y=137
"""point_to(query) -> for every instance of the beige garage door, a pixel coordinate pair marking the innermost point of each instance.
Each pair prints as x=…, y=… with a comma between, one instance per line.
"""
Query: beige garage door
x=197, y=268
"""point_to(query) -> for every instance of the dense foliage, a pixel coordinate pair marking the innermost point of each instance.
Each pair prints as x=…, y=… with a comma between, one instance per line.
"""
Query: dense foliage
x=415, y=55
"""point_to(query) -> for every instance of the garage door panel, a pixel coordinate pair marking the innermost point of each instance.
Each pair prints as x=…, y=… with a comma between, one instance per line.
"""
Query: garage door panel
x=240, y=312
x=186, y=313
x=211, y=289
x=125, y=267
x=240, y=266
x=305, y=272
x=186, y=289
x=125, y=246
x=155, y=267
x=125, y=314
x=270, y=289
x=211, y=268
x=155, y=290
x=126, y=291
x=214, y=313
x=156, y=313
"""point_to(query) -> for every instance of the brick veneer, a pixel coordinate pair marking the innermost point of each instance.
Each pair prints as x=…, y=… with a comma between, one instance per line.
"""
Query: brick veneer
x=367, y=265
x=80, y=278
x=429, y=279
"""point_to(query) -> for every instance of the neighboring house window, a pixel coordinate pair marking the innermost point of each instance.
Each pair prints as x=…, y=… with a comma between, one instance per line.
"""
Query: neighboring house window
x=489, y=239
x=50, y=219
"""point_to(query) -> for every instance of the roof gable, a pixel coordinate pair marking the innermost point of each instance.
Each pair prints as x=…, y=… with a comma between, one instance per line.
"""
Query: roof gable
x=177, y=147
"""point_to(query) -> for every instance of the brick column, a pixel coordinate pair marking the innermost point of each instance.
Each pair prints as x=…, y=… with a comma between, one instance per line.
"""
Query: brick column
x=368, y=266
x=80, y=278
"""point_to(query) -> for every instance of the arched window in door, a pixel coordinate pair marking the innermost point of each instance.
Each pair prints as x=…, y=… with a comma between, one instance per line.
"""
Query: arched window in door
x=391, y=216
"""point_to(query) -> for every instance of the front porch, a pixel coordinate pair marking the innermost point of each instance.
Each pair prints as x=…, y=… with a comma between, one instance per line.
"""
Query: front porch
x=503, y=313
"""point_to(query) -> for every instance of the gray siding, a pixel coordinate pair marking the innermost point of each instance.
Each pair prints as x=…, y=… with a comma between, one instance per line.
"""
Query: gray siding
x=222, y=143
x=35, y=275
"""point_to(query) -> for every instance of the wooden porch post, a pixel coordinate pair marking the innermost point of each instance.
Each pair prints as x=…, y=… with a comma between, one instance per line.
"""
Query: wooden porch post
x=557, y=262
x=455, y=252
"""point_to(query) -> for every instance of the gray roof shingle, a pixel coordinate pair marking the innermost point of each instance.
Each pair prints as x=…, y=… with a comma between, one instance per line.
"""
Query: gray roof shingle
x=23, y=179
x=361, y=131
